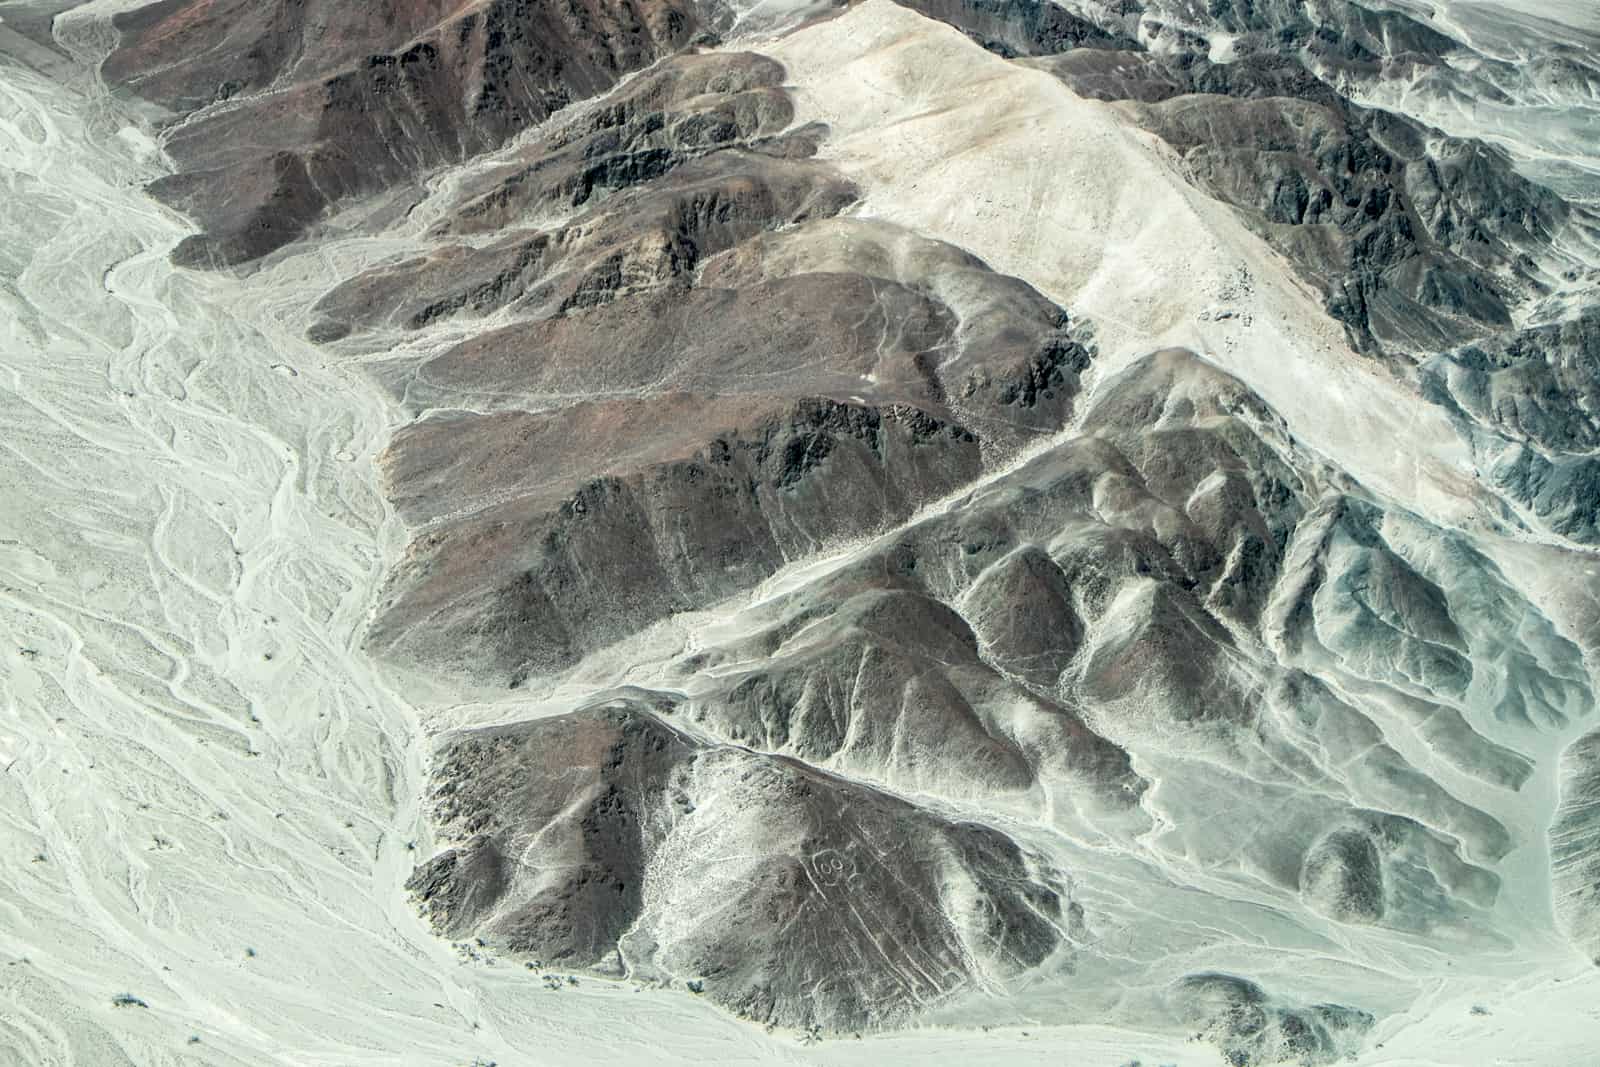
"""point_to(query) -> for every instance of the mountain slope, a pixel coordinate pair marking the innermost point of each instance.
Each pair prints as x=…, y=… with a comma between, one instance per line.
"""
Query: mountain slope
x=938, y=514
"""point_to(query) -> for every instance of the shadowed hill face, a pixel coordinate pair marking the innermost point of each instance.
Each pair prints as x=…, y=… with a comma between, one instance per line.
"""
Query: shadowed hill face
x=1529, y=399
x=297, y=107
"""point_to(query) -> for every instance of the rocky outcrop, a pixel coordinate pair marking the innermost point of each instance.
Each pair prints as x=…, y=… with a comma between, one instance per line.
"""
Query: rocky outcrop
x=1575, y=846
x=645, y=242
x=532, y=583
x=293, y=108
x=1343, y=877
x=1418, y=241
x=1529, y=398
x=1405, y=228
x=1019, y=28
x=1250, y=1027
x=607, y=837
x=681, y=109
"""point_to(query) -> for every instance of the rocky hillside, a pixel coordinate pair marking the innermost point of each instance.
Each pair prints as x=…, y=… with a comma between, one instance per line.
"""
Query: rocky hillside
x=959, y=509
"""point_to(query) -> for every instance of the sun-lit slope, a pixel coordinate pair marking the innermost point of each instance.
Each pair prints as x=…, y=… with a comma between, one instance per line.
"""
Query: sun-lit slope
x=1071, y=196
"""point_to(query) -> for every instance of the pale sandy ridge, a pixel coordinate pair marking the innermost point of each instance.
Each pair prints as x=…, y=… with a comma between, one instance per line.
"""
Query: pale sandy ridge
x=1011, y=165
